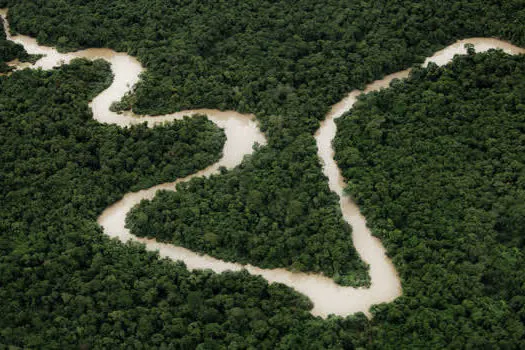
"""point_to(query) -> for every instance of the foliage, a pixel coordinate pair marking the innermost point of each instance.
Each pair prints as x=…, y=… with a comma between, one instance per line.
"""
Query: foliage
x=64, y=283
x=287, y=62
x=247, y=216
x=10, y=51
x=437, y=165
x=270, y=57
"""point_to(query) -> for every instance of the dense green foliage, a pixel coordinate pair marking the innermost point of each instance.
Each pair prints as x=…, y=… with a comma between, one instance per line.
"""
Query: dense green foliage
x=61, y=281
x=65, y=285
x=40, y=140
x=287, y=171
x=437, y=165
x=294, y=224
x=271, y=57
x=285, y=61
x=10, y=51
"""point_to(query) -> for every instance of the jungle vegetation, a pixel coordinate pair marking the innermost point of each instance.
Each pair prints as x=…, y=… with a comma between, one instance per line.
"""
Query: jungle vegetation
x=287, y=62
x=245, y=216
x=10, y=51
x=63, y=283
x=437, y=166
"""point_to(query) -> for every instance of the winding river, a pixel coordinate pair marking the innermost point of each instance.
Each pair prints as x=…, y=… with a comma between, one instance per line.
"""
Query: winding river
x=242, y=133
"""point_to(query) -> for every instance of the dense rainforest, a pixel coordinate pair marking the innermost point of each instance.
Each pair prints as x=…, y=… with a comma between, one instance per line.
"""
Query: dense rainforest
x=275, y=58
x=63, y=283
x=287, y=62
x=10, y=51
x=243, y=216
x=437, y=165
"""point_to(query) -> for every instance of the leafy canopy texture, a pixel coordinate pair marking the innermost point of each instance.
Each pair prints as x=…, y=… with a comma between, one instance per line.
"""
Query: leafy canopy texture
x=286, y=61
x=10, y=51
x=437, y=165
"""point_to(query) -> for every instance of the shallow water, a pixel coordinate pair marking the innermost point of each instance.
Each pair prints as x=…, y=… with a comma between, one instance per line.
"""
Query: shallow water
x=242, y=133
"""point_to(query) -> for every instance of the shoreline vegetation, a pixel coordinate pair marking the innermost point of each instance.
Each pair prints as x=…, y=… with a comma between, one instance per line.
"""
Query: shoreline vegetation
x=10, y=51
x=80, y=288
x=437, y=164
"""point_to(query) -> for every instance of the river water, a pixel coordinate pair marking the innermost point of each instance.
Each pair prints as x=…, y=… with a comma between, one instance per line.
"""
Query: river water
x=242, y=133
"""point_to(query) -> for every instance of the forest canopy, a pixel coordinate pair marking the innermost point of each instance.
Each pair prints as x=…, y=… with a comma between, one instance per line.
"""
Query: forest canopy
x=246, y=216
x=64, y=283
x=457, y=242
x=287, y=62
x=10, y=51
x=437, y=166
x=269, y=57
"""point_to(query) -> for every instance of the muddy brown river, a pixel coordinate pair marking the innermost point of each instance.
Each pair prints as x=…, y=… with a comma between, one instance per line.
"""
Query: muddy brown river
x=242, y=133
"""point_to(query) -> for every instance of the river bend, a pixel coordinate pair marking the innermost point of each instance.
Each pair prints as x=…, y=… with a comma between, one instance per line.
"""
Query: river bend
x=242, y=133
